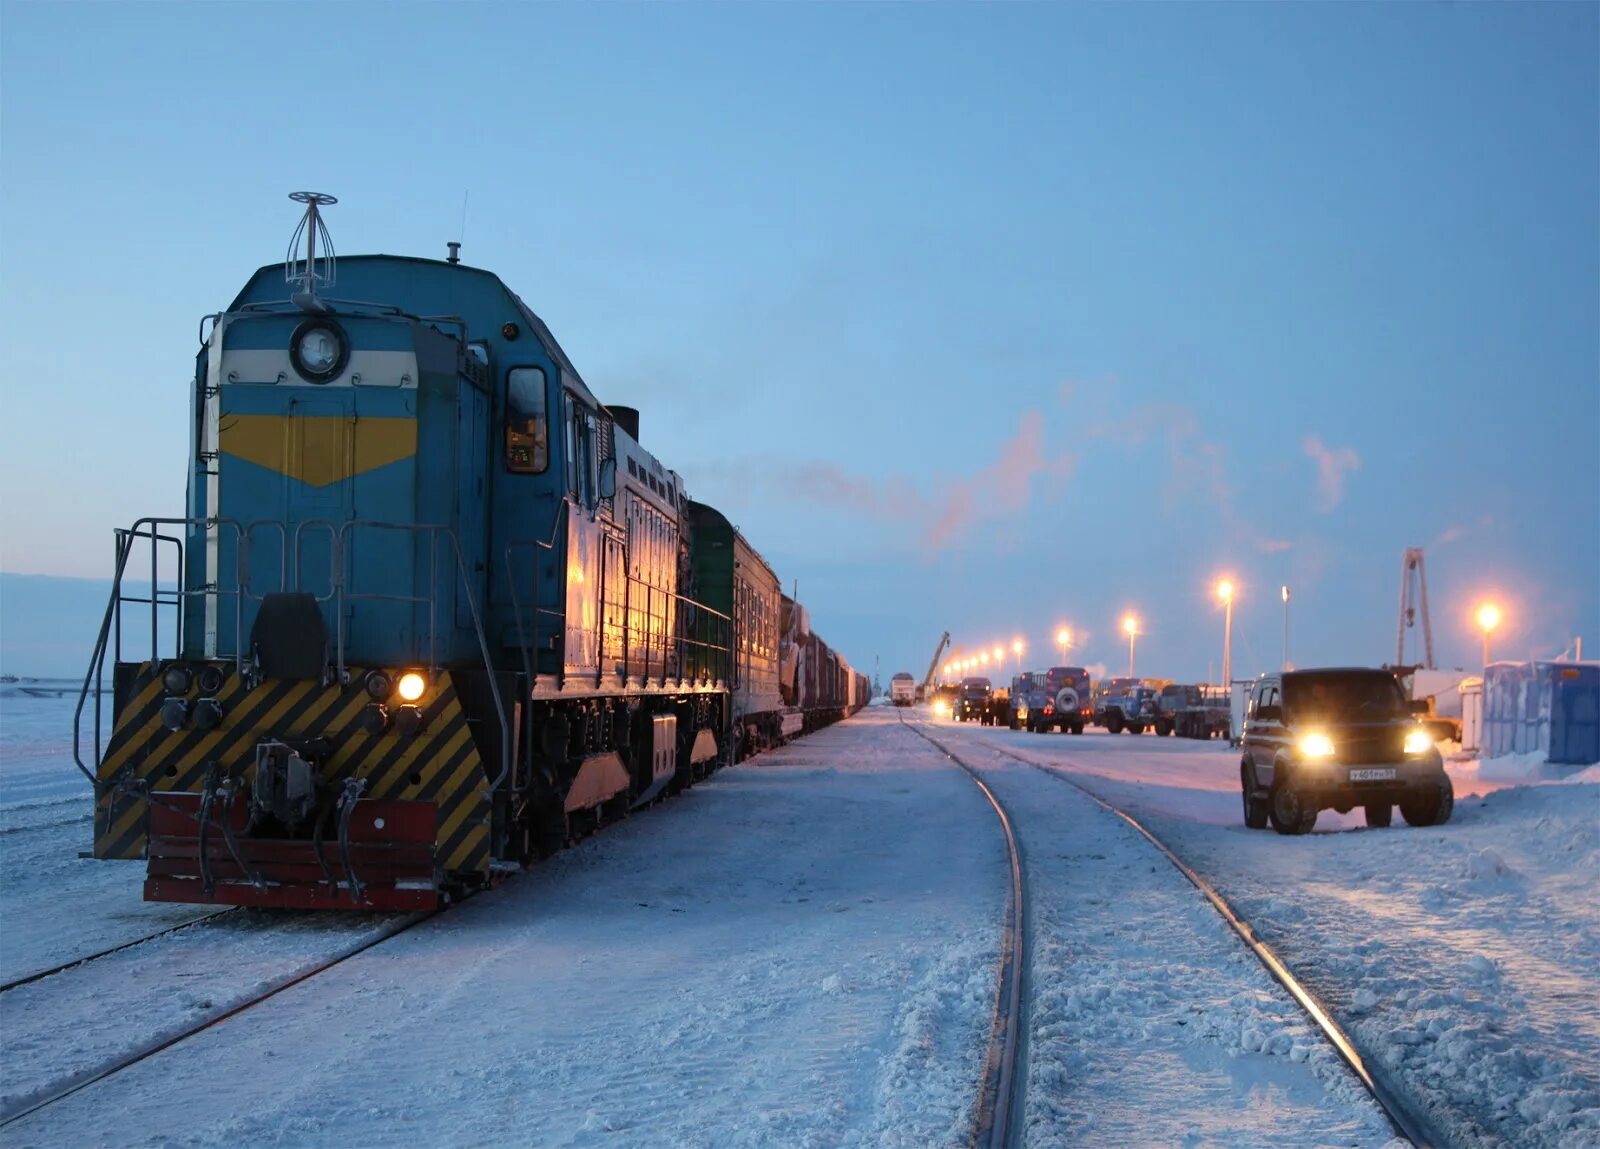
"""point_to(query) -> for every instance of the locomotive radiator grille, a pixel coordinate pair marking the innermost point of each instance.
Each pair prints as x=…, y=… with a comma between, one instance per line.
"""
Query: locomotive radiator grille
x=439, y=765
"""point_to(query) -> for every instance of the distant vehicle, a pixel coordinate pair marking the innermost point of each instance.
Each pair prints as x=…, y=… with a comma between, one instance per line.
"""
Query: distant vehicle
x=1197, y=711
x=1132, y=708
x=1338, y=738
x=942, y=700
x=972, y=699
x=999, y=709
x=903, y=689
x=1017, y=705
x=1058, y=699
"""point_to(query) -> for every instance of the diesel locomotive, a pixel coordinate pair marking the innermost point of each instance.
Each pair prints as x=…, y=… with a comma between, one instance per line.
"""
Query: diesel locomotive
x=431, y=612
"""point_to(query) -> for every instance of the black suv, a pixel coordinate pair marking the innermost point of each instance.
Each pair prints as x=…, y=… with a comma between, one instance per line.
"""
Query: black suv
x=972, y=700
x=1341, y=738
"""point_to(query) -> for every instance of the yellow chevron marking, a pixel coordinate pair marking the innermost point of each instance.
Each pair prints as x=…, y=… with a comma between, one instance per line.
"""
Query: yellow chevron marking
x=471, y=806
x=227, y=729
x=318, y=450
x=471, y=846
x=114, y=759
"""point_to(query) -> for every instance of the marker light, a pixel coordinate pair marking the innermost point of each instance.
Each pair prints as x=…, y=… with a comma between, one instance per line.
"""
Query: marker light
x=379, y=685
x=1418, y=742
x=207, y=714
x=407, y=720
x=1316, y=746
x=177, y=679
x=412, y=685
x=210, y=679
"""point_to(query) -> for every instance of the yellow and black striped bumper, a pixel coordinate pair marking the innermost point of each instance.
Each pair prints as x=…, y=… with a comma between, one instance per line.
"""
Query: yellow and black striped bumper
x=439, y=764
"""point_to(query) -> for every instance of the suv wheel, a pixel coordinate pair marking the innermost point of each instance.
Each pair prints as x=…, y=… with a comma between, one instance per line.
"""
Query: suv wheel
x=1255, y=804
x=1114, y=722
x=1380, y=816
x=1289, y=810
x=1163, y=727
x=1432, y=807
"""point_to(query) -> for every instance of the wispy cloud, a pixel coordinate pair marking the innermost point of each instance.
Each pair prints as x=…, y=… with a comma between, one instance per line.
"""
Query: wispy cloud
x=1273, y=546
x=1000, y=489
x=1333, y=463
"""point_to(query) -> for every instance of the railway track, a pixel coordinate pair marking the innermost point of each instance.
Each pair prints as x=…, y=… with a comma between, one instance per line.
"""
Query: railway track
x=1404, y=1120
x=1005, y=1061
x=125, y=1060
x=40, y=975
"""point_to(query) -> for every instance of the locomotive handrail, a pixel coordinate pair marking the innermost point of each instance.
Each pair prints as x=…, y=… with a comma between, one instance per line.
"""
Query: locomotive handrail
x=110, y=634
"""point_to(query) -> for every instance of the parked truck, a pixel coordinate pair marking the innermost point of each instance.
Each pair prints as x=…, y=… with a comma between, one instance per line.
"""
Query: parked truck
x=1193, y=711
x=1132, y=708
x=903, y=689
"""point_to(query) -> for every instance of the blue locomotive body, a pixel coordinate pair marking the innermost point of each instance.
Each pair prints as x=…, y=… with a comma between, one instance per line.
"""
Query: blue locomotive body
x=432, y=608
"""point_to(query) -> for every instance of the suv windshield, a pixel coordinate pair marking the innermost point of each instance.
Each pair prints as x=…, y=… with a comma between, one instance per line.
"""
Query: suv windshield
x=1371, y=697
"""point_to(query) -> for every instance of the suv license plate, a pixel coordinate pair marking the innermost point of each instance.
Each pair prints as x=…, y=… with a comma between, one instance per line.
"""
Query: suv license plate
x=1384, y=775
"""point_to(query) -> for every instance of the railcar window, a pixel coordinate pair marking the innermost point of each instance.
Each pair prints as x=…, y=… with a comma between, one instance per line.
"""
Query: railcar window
x=527, y=421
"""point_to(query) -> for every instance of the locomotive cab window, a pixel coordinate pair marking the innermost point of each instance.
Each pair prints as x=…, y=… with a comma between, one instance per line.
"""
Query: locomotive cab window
x=527, y=421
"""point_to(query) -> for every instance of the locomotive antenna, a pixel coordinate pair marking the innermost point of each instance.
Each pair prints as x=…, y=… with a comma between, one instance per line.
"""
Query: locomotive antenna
x=314, y=270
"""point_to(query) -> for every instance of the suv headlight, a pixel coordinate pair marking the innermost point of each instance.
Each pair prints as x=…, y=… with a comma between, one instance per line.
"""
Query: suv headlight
x=1418, y=742
x=1316, y=746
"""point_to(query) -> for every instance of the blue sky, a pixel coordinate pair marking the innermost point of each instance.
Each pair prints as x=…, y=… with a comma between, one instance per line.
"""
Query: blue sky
x=974, y=318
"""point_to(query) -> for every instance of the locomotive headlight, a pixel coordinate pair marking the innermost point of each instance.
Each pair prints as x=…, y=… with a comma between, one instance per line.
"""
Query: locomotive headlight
x=1316, y=746
x=210, y=679
x=177, y=679
x=1418, y=742
x=412, y=685
x=318, y=350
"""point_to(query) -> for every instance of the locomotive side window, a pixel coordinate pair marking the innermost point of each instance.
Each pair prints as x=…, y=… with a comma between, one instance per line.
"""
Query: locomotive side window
x=527, y=421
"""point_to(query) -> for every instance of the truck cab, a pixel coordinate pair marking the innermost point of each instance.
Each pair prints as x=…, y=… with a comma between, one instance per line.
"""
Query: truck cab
x=1338, y=738
x=972, y=699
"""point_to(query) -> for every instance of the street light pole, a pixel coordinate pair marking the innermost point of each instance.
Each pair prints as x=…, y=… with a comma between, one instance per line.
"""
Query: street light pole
x=1131, y=625
x=1225, y=591
x=1064, y=640
x=1285, y=628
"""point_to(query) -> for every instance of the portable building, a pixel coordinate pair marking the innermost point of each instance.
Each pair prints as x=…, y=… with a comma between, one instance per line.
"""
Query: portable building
x=1542, y=707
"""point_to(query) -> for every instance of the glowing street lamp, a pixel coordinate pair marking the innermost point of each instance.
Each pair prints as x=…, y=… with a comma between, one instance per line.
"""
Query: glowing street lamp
x=1063, y=640
x=999, y=655
x=1488, y=618
x=1016, y=649
x=1131, y=625
x=983, y=658
x=1225, y=593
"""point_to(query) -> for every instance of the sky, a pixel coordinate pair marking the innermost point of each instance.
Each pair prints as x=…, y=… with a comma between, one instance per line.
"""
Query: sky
x=987, y=319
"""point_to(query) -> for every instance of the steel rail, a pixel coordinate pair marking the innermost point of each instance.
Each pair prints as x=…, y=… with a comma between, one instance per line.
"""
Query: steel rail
x=1405, y=1121
x=40, y=975
x=82, y=1081
x=999, y=1099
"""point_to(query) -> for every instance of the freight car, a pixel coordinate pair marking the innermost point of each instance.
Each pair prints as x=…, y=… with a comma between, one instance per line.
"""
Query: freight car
x=433, y=609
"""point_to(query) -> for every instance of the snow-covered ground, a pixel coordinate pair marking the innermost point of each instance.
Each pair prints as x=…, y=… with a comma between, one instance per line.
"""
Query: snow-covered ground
x=1464, y=958
x=800, y=951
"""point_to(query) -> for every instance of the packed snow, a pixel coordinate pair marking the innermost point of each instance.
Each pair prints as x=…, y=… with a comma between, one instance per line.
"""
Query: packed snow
x=1463, y=959
x=802, y=951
